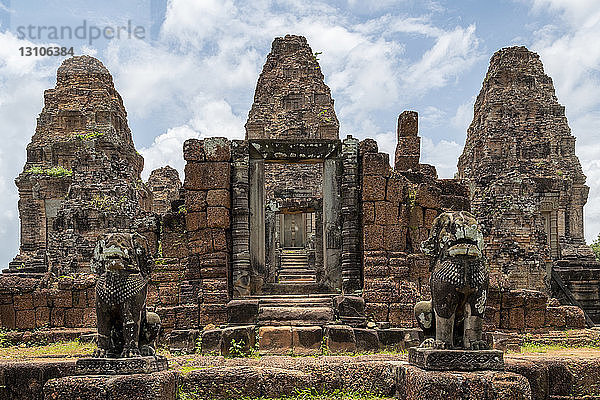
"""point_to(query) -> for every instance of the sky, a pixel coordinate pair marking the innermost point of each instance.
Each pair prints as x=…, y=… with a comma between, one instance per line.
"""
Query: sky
x=193, y=72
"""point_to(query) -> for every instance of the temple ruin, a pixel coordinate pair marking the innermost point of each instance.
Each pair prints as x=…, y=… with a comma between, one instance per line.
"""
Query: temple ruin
x=527, y=185
x=82, y=174
x=297, y=226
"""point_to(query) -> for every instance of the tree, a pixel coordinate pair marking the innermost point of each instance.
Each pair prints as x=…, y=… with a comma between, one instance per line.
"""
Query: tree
x=596, y=247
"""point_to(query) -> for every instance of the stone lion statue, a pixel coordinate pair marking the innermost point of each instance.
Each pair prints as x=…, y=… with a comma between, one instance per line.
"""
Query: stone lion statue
x=125, y=328
x=459, y=284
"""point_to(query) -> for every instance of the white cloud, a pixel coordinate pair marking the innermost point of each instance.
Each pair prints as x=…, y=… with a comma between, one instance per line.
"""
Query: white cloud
x=167, y=149
x=22, y=84
x=578, y=13
x=452, y=54
x=216, y=63
x=442, y=155
x=571, y=56
x=463, y=116
x=432, y=117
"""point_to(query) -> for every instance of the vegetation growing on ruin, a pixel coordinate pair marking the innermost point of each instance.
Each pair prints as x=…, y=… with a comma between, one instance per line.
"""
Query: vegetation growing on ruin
x=107, y=203
x=57, y=171
x=596, y=247
x=412, y=197
x=529, y=347
x=89, y=136
x=236, y=349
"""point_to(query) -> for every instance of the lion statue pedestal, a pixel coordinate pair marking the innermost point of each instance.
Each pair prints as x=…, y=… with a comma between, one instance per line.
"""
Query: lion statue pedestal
x=127, y=332
x=452, y=321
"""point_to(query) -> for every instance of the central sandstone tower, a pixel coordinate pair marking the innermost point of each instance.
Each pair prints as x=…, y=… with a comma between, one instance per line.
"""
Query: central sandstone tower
x=291, y=100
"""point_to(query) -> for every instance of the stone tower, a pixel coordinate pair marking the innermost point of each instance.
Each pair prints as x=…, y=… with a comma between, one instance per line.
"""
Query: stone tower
x=82, y=174
x=164, y=183
x=291, y=100
x=528, y=188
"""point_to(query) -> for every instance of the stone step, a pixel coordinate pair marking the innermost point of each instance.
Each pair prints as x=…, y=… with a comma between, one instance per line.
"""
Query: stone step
x=303, y=288
x=296, y=281
x=284, y=315
x=294, y=263
x=297, y=267
x=297, y=302
x=285, y=276
x=285, y=297
x=286, y=273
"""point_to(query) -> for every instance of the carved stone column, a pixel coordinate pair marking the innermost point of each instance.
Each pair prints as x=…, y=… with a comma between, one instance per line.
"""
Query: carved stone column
x=240, y=219
x=351, y=252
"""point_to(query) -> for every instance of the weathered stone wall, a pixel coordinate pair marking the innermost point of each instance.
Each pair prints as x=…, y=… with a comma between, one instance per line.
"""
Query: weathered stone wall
x=529, y=311
x=398, y=208
x=28, y=303
x=164, y=183
x=299, y=181
x=208, y=223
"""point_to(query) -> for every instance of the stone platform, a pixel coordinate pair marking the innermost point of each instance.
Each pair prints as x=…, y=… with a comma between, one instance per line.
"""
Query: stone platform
x=120, y=366
x=532, y=376
x=456, y=360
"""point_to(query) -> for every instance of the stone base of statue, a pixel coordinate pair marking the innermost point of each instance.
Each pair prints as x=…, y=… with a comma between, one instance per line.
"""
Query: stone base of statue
x=456, y=360
x=121, y=366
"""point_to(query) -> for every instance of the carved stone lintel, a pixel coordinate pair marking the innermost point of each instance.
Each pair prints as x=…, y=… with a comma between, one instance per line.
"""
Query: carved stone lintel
x=456, y=360
x=121, y=366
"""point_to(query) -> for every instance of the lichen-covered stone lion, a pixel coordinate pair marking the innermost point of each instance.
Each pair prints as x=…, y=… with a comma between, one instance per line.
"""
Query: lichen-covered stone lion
x=125, y=328
x=459, y=284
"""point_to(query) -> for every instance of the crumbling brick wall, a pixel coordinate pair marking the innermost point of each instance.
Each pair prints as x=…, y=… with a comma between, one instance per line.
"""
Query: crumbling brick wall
x=398, y=208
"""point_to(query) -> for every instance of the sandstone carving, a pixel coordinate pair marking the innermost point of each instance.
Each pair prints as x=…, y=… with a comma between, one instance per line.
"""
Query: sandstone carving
x=459, y=283
x=125, y=328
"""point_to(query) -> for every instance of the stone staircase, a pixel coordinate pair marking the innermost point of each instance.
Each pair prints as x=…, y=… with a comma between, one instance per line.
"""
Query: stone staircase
x=297, y=310
x=295, y=268
x=34, y=266
x=579, y=284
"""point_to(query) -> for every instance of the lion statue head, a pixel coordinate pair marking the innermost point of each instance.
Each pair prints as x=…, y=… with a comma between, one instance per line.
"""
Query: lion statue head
x=454, y=234
x=127, y=252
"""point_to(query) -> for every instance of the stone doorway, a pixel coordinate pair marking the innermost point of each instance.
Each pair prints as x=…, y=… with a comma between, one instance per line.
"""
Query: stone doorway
x=297, y=229
x=286, y=196
x=295, y=247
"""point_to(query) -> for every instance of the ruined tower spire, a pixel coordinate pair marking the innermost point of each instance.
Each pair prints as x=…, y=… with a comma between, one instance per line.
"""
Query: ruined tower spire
x=291, y=100
x=528, y=186
x=82, y=174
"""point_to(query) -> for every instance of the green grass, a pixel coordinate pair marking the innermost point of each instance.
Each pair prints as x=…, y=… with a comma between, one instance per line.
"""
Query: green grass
x=532, y=347
x=304, y=394
x=55, y=350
